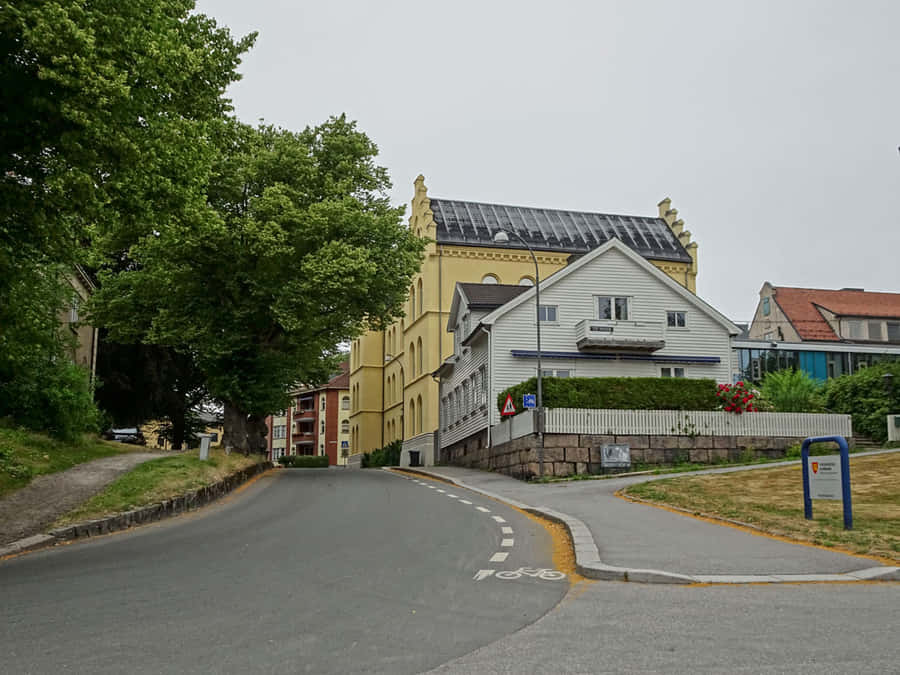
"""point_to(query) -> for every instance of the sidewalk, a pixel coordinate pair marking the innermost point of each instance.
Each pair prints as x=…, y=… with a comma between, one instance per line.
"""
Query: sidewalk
x=29, y=511
x=653, y=544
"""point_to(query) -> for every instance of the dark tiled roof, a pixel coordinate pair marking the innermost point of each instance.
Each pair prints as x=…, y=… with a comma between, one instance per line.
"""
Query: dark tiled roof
x=474, y=224
x=800, y=306
x=490, y=296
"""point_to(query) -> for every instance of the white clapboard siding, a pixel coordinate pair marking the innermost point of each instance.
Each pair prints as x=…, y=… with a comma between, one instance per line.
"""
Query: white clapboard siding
x=694, y=422
x=611, y=274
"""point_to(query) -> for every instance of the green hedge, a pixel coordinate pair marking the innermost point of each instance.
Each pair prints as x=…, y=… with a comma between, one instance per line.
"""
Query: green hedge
x=863, y=396
x=304, y=461
x=621, y=393
x=389, y=455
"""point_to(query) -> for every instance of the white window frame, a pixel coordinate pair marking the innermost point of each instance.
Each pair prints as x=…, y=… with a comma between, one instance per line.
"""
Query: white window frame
x=676, y=313
x=612, y=307
x=544, y=313
x=672, y=372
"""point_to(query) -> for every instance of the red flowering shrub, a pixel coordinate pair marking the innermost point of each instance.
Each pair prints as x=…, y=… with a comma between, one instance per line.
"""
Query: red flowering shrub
x=736, y=398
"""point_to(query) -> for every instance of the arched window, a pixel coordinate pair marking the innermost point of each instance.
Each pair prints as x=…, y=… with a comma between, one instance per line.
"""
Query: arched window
x=420, y=296
x=412, y=417
x=412, y=359
x=526, y=281
x=490, y=279
x=412, y=302
x=345, y=427
x=345, y=403
x=421, y=353
x=420, y=413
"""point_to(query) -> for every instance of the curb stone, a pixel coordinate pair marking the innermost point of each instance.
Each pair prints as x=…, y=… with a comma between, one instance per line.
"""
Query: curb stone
x=128, y=519
x=589, y=564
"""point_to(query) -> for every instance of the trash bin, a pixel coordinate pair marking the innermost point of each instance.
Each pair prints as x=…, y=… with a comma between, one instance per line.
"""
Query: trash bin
x=414, y=458
x=204, y=445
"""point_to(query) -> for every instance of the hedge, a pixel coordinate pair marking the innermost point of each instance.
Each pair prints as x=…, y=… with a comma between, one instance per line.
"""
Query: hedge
x=389, y=455
x=621, y=393
x=304, y=461
x=863, y=396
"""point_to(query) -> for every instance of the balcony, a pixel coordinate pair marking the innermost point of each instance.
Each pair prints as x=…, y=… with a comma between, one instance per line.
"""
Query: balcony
x=624, y=336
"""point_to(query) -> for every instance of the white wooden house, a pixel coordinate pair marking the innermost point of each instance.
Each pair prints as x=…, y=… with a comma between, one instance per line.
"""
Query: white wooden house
x=608, y=314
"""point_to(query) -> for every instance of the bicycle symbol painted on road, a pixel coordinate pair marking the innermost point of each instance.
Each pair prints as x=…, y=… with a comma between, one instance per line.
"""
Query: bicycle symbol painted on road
x=543, y=573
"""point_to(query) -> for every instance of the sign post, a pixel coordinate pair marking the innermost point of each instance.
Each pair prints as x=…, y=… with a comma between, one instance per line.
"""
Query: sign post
x=827, y=477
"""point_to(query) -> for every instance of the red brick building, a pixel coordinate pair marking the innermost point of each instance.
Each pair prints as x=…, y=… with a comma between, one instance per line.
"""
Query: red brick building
x=317, y=423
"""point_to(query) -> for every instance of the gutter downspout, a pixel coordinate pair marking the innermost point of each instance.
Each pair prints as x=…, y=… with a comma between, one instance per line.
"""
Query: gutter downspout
x=490, y=387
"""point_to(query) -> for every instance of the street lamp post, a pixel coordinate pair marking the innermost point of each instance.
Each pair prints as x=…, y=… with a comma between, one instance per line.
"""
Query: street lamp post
x=502, y=237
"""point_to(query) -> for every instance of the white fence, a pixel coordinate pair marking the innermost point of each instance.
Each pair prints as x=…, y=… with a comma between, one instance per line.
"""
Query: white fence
x=692, y=423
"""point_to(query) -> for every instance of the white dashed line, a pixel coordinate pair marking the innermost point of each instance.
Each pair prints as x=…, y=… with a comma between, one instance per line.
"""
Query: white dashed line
x=482, y=574
x=506, y=530
x=506, y=543
x=499, y=557
x=444, y=491
x=431, y=487
x=452, y=496
x=482, y=509
x=464, y=501
x=498, y=519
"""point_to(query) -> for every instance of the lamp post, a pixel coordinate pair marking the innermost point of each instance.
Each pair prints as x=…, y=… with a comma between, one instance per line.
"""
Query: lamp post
x=502, y=237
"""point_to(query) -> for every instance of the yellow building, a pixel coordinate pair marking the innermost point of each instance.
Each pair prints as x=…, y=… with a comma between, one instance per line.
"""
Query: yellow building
x=393, y=393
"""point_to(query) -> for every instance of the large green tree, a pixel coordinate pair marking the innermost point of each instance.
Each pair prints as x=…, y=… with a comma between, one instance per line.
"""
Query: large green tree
x=297, y=250
x=104, y=107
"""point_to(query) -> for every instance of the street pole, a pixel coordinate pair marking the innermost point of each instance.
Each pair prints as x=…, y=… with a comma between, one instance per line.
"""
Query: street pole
x=502, y=237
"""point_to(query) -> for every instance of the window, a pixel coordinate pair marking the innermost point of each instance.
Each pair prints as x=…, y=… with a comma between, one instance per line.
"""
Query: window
x=467, y=403
x=73, y=311
x=322, y=427
x=765, y=307
x=466, y=323
x=489, y=279
x=484, y=384
x=893, y=331
x=451, y=413
x=412, y=302
x=549, y=372
x=412, y=417
x=420, y=296
x=547, y=313
x=412, y=359
x=321, y=448
x=562, y=373
x=672, y=372
x=875, y=330
x=421, y=353
x=526, y=281
x=676, y=319
x=612, y=308
x=345, y=427
x=854, y=330
x=476, y=391
x=323, y=403
x=420, y=411
x=345, y=403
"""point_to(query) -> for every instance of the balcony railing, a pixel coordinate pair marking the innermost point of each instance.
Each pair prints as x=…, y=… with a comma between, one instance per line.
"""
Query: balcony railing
x=630, y=336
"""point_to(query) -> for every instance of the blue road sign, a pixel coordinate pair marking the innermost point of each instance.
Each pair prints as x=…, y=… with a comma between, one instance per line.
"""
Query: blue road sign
x=529, y=401
x=844, y=471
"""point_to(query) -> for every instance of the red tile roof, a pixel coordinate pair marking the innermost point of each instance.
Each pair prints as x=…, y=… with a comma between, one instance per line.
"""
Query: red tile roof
x=800, y=306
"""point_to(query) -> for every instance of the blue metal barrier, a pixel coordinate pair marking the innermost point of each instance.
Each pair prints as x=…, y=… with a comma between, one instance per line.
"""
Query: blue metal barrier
x=845, y=476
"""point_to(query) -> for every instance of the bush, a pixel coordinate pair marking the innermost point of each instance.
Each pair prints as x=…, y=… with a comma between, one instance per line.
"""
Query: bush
x=622, y=393
x=304, y=461
x=792, y=391
x=862, y=395
x=389, y=455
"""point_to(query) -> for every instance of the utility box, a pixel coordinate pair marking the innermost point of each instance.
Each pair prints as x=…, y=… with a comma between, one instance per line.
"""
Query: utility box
x=204, y=445
x=893, y=427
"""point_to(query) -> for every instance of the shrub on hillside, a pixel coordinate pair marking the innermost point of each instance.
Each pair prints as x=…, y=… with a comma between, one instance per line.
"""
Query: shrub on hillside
x=623, y=393
x=304, y=461
x=389, y=455
x=792, y=391
x=863, y=396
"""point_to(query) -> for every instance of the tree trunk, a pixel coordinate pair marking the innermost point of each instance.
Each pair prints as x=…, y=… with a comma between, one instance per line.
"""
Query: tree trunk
x=178, y=429
x=244, y=432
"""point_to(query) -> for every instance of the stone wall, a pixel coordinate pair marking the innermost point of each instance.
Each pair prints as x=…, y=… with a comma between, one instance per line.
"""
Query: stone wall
x=569, y=454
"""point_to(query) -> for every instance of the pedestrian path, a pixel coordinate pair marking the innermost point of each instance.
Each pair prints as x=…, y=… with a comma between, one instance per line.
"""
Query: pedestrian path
x=615, y=536
x=32, y=509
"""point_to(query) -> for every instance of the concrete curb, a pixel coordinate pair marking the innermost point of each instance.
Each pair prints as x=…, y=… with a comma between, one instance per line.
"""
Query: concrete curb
x=189, y=501
x=589, y=564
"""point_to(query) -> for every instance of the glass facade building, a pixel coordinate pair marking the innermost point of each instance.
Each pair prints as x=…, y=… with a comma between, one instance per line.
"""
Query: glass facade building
x=753, y=359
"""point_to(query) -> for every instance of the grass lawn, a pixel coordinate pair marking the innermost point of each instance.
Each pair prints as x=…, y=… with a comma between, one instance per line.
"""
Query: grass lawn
x=25, y=455
x=772, y=499
x=159, y=479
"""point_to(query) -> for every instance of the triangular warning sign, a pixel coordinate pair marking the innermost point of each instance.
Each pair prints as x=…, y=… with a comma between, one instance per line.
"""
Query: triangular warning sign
x=509, y=408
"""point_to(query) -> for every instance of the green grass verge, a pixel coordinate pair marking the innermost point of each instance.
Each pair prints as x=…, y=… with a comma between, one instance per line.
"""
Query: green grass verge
x=25, y=455
x=157, y=480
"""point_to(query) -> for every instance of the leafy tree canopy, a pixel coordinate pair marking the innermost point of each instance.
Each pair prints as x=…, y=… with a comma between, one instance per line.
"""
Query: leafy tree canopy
x=297, y=250
x=104, y=107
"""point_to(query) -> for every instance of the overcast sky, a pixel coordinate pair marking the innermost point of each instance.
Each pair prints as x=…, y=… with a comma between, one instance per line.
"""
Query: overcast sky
x=773, y=126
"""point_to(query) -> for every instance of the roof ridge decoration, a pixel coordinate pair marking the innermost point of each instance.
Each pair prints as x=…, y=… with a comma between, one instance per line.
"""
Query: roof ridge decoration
x=421, y=219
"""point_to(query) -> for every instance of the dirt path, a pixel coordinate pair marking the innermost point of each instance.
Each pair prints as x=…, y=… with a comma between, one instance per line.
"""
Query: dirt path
x=30, y=510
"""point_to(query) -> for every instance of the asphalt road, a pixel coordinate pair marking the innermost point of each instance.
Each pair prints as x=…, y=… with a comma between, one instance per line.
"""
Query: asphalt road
x=306, y=571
